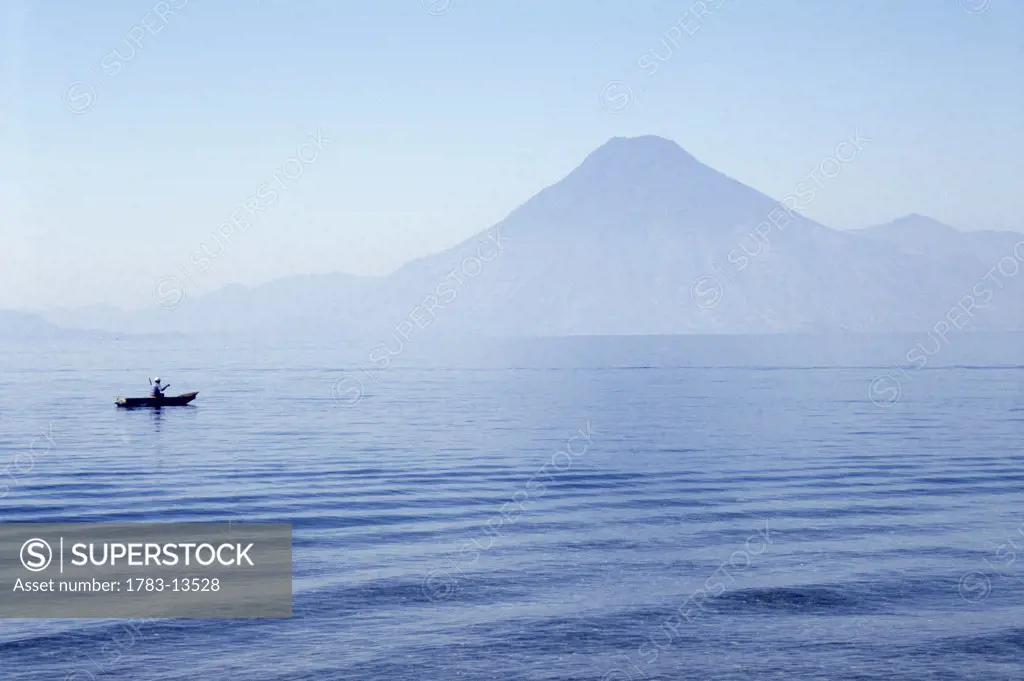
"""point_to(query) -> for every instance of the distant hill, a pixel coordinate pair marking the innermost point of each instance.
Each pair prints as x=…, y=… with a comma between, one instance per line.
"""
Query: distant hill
x=279, y=307
x=641, y=238
x=921, y=235
x=22, y=326
x=27, y=327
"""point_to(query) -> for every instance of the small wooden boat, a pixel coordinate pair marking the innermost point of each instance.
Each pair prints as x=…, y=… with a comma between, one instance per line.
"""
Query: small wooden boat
x=176, y=401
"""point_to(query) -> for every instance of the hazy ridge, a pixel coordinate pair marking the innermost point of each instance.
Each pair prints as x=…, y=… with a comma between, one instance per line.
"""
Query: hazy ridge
x=641, y=238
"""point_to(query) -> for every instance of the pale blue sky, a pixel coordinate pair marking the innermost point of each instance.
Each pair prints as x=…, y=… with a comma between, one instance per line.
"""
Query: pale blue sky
x=441, y=124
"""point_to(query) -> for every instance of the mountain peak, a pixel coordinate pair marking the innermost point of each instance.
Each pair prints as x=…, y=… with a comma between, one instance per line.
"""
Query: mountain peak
x=630, y=184
x=918, y=223
x=649, y=149
x=656, y=164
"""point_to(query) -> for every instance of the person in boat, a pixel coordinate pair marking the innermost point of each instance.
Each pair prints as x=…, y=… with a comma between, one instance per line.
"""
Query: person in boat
x=158, y=389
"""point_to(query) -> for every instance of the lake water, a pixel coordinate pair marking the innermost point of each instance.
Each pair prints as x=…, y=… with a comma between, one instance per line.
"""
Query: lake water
x=720, y=509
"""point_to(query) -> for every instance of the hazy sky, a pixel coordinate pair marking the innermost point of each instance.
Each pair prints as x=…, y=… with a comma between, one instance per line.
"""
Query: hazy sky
x=442, y=116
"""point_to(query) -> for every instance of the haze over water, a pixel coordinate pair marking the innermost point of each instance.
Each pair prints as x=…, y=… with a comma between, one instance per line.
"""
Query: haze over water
x=830, y=532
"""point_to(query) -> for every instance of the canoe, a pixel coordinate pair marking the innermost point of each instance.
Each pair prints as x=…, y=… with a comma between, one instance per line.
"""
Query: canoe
x=176, y=401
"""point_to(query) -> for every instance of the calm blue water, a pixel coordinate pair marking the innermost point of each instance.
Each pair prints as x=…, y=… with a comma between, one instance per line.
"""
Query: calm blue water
x=842, y=538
